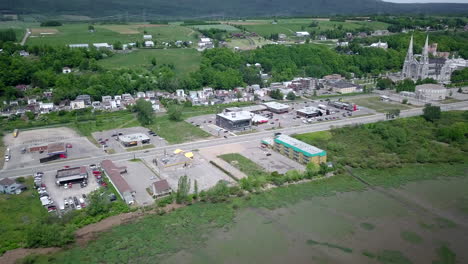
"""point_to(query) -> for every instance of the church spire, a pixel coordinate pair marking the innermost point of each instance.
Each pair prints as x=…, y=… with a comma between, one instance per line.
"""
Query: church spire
x=409, y=55
x=426, y=47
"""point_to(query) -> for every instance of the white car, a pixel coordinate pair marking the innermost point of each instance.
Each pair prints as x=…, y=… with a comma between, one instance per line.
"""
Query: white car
x=65, y=201
x=78, y=207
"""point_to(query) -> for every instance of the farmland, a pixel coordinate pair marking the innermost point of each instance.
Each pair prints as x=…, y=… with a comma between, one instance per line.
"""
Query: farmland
x=184, y=60
x=228, y=28
x=79, y=33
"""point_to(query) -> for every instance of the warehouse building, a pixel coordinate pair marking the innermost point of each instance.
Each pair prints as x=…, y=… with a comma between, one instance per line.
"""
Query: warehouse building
x=298, y=150
x=277, y=108
x=234, y=120
x=114, y=173
x=70, y=175
x=133, y=139
x=309, y=112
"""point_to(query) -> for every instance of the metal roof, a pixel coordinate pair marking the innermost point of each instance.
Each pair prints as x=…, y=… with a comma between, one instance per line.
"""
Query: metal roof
x=299, y=146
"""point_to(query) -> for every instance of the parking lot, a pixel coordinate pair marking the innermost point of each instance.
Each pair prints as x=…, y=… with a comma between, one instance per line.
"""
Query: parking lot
x=58, y=194
x=290, y=119
x=80, y=146
x=139, y=177
x=273, y=162
x=108, y=139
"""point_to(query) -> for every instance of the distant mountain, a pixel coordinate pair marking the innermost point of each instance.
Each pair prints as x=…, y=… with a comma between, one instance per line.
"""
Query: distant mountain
x=218, y=8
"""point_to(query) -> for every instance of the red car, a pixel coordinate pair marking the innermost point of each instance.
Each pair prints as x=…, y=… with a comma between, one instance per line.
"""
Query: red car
x=69, y=145
x=104, y=184
x=66, y=167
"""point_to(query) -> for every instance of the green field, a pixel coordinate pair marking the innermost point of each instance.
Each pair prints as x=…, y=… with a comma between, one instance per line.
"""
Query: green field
x=17, y=213
x=244, y=164
x=228, y=28
x=379, y=105
x=177, y=131
x=19, y=27
x=184, y=60
x=248, y=43
x=78, y=34
x=290, y=26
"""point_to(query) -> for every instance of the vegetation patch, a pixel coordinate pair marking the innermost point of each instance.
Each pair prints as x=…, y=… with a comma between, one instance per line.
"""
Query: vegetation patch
x=392, y=257
x=244, y=164
x=367, y=226
x=446, y=256
x=411, y=237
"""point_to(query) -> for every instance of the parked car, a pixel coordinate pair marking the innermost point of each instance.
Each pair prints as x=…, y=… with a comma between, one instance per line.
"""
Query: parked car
x=92, y=166
x=69, y=145
x=51, y=208
x=65, y=202
x=112, y=197
x=84, y=196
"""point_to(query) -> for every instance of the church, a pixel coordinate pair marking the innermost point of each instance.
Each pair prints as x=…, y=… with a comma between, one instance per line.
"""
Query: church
x=421, y=66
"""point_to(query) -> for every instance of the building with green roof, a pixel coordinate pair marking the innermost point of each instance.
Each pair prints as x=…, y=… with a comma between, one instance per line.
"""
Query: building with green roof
x=298, y=150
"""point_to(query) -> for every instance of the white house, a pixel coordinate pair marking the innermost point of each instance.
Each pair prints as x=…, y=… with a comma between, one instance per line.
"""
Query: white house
x=150, y=94
x=106, y=98
x=46, y=106
x=381, y=45
x=85, y=46
x=31, y=101
x=180, y=93
x=149, y=43
x=141, y=95
x=147, y=37
x=102, y=46
x=77, y=104
x=302, y=34
x=342, y=44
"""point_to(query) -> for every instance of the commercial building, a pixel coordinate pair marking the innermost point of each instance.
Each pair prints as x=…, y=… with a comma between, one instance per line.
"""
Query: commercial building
x=309, y=112
x=161, y=188
x=298, y=150
x=76, y=174
x=277, y=108
x=133, y=139
x=342, y=87
x=431, y=92
x=56, y=148
x=234, y=120
x=115, y=177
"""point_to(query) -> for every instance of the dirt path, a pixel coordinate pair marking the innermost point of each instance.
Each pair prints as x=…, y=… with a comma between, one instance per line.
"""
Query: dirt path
x=10, y=257
x=26, y=36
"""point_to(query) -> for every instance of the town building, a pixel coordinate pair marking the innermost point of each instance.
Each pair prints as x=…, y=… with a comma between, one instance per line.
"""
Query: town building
x=84, y=97
x=309, y=112
x=430, y=91
x=277, y=108
x=114, y=174
x=302, y=34
x=380, y=45
x=77, y=104
x=71, y=175
x=342, y=87
x=133, y=139
x=161, y=188
x=234, y=120
x=298, y=150
x=9, y=186
x=147, y=37
x=149, y=44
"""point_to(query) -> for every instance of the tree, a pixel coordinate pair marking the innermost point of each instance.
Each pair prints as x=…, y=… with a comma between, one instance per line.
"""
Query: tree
x=431, y=113
x=118, y=45
x=144, y=111
x=153, y=61
x=291, y=96
x=393, y=113
x=195, y=189
x=311, y=170
x=406, y=85
x=183, y=188
x=91, y=28
x=276, y=94
x=175, y=112
x=384, y=83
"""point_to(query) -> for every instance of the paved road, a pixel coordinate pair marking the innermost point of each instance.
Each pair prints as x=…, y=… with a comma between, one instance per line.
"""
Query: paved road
x=254, y=138
x=26, y=36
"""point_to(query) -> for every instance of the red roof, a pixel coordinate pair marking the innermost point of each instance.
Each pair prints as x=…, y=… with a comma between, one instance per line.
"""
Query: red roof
x=115, y=176
x=161, y=186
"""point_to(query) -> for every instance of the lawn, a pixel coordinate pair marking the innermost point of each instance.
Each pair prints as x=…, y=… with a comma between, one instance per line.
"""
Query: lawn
x=248, y=43
x=184, y=60
x=19, y=27
x=244, y=164
x=79, y=34
x=176, y=131
x=379, y=105
x=17, y=213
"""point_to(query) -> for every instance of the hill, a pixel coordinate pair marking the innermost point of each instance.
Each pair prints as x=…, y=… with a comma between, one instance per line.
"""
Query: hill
x=149, y=9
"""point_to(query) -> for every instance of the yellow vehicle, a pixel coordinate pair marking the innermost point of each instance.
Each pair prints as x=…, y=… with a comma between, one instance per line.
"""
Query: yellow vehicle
x=15, y=133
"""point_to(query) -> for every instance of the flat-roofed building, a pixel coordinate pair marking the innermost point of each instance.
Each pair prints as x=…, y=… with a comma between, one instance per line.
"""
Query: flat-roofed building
x=114, y=174
x=68, y=175
x=298, y=150
x=277, y=108
x=234, y=120
x=431, y=92
x=133, y=139
x=309, y=112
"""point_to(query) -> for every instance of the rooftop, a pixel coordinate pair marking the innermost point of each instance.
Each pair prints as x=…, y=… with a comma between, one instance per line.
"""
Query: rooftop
x=342, y=84
x=55, y=147
x=276, y=105
x=430, y=86
x=237, y=116
x=308, y=110
x=133, y=137
x=71, y=172
x=161, y=186
x=114, y=173
x=6, y=181
x=299, y=146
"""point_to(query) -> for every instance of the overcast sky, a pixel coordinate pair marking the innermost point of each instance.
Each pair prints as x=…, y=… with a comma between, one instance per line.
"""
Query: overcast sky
x=428, y=1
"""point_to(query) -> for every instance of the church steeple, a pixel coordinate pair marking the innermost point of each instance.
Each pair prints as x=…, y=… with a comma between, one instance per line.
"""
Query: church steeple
x=425, y=52
x=409, y=55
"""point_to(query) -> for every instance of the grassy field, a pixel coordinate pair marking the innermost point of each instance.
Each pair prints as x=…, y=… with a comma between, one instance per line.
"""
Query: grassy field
x=177, y=131
x=78, y=33
x=228, y=28
x=244, y=164
x=19, y=27
x=248, y=43
x=290, y=26
x=184, y=60
x=379, y=105
x=17, y=213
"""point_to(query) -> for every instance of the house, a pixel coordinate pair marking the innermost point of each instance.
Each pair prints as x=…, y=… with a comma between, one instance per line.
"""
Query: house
x=84, y=97
x=140, y=95
x=333, y=77
x=31, y=101
x=66, y=70
x=147, y=37
x=322, y=37
x=150, y=94
x=381, y=33
x=46, y=106
x=381, y=45
x=205, y=43
x=24, y=53
x=106, y=98
x=281, y=36
x=302, y=34
x=77, y=104
x=161, y=188
x=342, y=44
x=9, y=186
x=149, y=43
x=180, y=93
